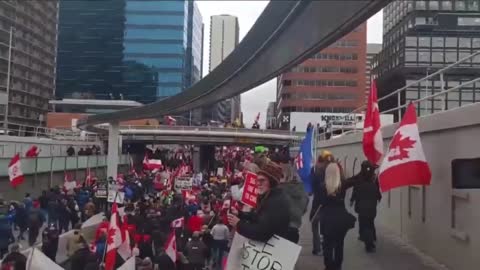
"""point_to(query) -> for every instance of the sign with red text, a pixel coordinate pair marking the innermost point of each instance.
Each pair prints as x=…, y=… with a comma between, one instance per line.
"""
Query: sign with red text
x=275, y=254
x=250, y=194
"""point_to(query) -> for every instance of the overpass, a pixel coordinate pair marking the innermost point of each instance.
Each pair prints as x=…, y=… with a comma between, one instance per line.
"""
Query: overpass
x=207, y=135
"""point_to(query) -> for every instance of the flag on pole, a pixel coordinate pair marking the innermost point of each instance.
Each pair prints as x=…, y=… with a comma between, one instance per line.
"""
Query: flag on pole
x=88, y=178
x=69, y=183
x=114, y=239
x=152, y=164
x=15, y=173
x=171, y=246
x=178, y=223
x=372, y=133
x=404, y=163
x=125, y=249
x=32, y=152
x=303, y=161
x=36, y=260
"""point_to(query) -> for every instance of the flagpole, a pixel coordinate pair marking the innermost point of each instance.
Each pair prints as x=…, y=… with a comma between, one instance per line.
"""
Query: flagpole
x=106, y=245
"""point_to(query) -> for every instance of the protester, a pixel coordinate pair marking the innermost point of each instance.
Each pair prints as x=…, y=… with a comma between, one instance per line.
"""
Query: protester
x=15, y=258
x=366, y=195
x=6, y=236
x=265, y=221
x=196, y=252
x=50, y=242
x=81, y=256
x=220, y=234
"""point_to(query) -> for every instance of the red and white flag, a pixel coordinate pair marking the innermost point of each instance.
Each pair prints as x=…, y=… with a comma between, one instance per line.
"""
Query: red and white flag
x=171, y=247
x=88, y=178
x=125, y=249
x=405, y=164
x=15, y=173
x=152, y=164
x=114, y=239
x=372, y=133
x=170, y=120
x=178, y=223
x=32, y=152
x=69, y=183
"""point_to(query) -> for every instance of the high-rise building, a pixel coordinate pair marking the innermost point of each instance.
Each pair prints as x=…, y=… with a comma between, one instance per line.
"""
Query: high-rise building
x=271, y=120
x=330, y=82
x=133, y=49
x=372, y=50
x=28, y=45
x=224, y=31
x=421, y=37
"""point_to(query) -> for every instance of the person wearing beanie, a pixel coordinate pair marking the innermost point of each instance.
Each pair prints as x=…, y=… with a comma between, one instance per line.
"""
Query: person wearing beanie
x=266, y=219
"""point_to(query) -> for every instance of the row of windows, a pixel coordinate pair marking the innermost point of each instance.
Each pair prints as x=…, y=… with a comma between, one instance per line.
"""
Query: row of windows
x=155, y=5
x=316, y=109
x=165, y=34
x=155, y=20
x=440, y=42
x=334, y=83
x=320, y=96
x=336, y=56
x=345, y=44
x=154, y=48
x=325, y=69
x=427, y=56
x=167, y=91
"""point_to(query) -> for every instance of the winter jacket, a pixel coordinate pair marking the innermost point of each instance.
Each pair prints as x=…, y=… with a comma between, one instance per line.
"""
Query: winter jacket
x=164, y=262
x=268, y=219
x=6, y=236
x=196, y=251
x=297, y=202
x=366, y=195
x=79, y=258
x=318, y=179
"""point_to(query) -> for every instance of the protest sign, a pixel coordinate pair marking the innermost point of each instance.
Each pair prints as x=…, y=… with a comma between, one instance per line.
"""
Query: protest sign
x=249, y=196
x=183, y=183
x=101, y=191
x=113, y=192
x=276, y=254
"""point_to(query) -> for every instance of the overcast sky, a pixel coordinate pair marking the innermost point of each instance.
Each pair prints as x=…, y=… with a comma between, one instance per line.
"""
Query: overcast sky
x=256, y=100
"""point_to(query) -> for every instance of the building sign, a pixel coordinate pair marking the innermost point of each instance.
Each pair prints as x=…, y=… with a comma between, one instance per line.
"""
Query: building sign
x=300, y=120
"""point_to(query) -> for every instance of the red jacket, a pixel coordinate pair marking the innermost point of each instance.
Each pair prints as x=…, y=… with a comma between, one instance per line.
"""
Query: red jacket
x=195, y=224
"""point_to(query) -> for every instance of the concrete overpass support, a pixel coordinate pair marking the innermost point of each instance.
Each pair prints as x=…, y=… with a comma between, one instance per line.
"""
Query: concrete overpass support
x=196, y=159
x=113, y=145
x=207, y=157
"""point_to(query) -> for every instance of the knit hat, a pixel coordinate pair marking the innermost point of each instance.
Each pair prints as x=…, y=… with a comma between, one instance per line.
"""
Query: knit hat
x=271, y=170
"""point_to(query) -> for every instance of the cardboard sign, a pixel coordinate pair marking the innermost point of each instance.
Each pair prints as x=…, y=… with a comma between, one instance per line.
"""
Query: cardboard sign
x=113, y=190
x=101, y=191
x=183, y=183
x=250, y=194
x=276, y=254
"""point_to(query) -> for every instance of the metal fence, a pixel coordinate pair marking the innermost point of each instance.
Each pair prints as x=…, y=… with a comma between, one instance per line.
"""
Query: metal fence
x=63, y=134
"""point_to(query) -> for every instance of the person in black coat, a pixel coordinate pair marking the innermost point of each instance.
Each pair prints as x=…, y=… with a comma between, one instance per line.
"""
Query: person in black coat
x=318, y=179
x=80, y=258
x=267, y=219
x=366, y=195
x=163, y=261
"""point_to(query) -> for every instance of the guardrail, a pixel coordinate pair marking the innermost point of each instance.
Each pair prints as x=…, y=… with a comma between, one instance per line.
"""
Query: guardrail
x=33, y=166
x=44, y=132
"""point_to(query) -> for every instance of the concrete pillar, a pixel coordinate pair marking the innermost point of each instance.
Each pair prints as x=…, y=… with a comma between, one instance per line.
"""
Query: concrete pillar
x=196, y=159
x=113, y=145
x=207, y=157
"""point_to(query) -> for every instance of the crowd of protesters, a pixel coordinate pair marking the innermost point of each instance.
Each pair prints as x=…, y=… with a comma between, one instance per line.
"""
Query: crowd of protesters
x=211, y=211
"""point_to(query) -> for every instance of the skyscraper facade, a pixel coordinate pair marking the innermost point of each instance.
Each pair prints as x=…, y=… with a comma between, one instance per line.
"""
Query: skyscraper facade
x=421, y=37
x=372, y=50
x=224, y=37
x=28, y=44
x=132, y=49
x=331, y=81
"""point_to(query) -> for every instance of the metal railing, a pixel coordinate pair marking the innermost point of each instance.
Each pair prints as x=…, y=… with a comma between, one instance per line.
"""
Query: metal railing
x=63, y=134
x=398, y=109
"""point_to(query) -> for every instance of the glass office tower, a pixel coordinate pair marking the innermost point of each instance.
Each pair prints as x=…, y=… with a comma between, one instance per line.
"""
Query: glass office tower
x=151, y=54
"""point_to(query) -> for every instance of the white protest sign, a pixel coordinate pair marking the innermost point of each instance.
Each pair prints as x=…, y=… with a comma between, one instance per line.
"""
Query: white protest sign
x=113, y=192
x=183, y=183
x=276, y=254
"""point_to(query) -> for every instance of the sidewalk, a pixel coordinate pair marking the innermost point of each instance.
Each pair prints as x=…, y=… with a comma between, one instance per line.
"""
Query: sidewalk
x=392, y=253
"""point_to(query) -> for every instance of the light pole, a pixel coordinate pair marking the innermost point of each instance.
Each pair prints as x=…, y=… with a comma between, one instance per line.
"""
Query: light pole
x=5, y=117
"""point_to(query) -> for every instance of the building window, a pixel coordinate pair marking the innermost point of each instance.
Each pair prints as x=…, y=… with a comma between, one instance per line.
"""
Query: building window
x=447, y=5
x=420, y=20
x=420, y=5
x=468, y=21
x=460, y=5
x=424, y=42
x=433, y=5
x=450, y=57
x=451, y=42
x=464, y=43
x=424, y=56
x=437, y=57
x=472, y=5
x=438, y=42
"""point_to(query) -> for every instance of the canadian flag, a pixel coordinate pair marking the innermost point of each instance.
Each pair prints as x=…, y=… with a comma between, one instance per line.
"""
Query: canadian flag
x=178, y=223
x=404, y=163
x=372, y=134
x=15, y=173
x=125, y=249
x=69, y=183
x=171, y=247
x=88, y=178
x=32, y=152
x=152, y=164
x=114, y=239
